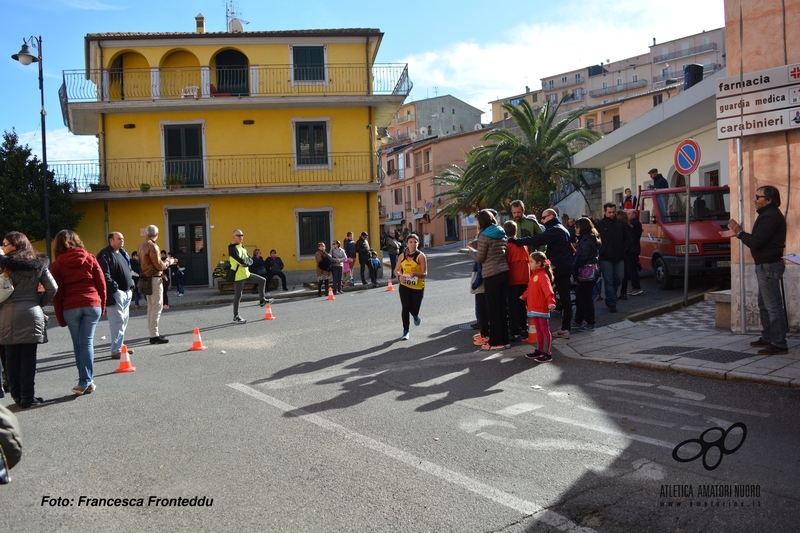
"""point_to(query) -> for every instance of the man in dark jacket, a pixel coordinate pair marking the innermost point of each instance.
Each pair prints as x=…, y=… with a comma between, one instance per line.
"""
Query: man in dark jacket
x=275, y=268
x=362, y=250
x=560, y=254
x=659, y=181
x=766, y=244
x=614, y=243
x=116, y=266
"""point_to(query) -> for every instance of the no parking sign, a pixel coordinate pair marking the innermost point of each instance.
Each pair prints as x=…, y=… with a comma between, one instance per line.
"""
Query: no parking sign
x=687, y=157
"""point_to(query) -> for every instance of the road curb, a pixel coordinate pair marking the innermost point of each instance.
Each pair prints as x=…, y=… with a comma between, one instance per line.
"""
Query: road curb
x=669, y=307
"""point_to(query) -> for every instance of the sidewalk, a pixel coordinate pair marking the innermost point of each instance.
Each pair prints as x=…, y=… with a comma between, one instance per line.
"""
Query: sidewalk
x=685, y=341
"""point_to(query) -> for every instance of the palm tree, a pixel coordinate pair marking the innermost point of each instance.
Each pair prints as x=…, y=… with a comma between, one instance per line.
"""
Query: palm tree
x=528, y=167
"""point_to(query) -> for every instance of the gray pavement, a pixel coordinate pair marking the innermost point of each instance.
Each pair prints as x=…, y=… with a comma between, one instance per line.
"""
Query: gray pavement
x=685, y=341
x=682, y=341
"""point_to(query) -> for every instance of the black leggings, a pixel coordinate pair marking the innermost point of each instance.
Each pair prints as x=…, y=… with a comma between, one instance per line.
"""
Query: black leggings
x=411, y=300
x=21, y=369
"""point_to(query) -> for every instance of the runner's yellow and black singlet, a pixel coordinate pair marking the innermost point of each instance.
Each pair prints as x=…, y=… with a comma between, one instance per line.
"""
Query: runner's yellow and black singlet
x=408, y=267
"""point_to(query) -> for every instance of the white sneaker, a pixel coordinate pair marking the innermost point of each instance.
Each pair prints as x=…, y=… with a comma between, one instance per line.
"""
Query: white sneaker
x=562, y=334
x=637, y=292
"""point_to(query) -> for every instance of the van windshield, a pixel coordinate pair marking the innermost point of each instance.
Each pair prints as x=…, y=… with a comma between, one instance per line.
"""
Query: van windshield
x=714, y=205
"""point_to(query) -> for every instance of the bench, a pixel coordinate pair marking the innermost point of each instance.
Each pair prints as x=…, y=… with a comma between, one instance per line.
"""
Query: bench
x=722, y=307
x=226, y=287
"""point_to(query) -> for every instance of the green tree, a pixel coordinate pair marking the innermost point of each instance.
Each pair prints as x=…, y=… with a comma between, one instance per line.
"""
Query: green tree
x=22, y=200
x=528, y=167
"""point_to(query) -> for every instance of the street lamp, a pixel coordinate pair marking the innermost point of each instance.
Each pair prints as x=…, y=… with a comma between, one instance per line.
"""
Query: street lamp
x=25, y=57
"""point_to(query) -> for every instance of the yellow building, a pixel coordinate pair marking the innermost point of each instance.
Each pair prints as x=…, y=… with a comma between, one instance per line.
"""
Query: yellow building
x=201, y=133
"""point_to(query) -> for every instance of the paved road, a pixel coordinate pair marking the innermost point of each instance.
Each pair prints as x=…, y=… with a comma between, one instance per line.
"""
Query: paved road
x=323, y=421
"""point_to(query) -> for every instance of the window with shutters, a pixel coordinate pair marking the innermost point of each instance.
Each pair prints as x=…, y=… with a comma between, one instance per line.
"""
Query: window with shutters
x=183, y=152
x=311, y=141
x=313, y=227
x=309, y=65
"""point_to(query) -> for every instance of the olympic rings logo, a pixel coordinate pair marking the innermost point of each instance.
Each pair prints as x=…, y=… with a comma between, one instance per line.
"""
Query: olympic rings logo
x=708, y=445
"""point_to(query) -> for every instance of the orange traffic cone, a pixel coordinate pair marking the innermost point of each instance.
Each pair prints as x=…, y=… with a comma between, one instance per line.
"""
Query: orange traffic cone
x=389, y=287
x=330, y=294
x=124, y=362
x=531, y=333
x=197, y=345
x=268, y=314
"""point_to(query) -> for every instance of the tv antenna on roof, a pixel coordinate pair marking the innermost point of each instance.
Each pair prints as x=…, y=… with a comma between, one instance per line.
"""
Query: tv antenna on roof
x=232, y=22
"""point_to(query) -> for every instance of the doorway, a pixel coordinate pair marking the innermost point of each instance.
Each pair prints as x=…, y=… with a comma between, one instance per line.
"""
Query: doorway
x=450, y=229
x=189, y=243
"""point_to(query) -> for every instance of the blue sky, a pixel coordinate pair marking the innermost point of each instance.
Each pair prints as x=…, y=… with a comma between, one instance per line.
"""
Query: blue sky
x=466, y=48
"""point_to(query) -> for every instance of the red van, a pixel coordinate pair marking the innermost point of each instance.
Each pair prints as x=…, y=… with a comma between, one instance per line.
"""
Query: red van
x=662, y=213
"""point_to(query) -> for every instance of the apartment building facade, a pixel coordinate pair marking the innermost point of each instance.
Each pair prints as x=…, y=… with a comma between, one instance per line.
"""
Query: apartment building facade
x=273, y=132
x=408, y=198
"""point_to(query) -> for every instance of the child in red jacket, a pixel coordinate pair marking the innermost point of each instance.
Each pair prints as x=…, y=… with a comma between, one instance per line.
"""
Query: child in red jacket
x=540, y=300
x=519, y=273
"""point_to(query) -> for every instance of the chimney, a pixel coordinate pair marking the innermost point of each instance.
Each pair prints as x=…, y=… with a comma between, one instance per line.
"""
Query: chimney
x=527, y=89
x=654, y=41
x=201, y=23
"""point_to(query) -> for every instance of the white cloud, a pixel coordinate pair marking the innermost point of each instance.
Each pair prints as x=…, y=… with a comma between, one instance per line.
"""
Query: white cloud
x=61, y=145
x=481, y=72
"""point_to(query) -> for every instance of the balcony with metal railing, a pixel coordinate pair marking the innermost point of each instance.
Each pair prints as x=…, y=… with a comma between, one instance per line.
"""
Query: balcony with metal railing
x=91, y=92
x=686, y=52
x=618, y=88
x=606, y=127
x=406, y=118
x=562, y=84
x=678, y=76
x=217, y=172
x=137, y=84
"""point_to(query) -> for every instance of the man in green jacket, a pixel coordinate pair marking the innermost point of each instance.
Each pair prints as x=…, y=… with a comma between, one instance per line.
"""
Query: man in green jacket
x=240, y=260
x=526, y=227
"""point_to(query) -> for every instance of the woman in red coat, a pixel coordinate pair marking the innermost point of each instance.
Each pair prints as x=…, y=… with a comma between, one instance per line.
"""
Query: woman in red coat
x=80, y=301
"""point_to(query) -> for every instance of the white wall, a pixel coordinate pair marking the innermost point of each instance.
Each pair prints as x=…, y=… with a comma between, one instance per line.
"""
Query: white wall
x=633, y=172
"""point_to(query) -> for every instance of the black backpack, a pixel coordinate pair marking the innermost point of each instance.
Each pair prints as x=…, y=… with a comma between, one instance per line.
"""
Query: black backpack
x=325, y=262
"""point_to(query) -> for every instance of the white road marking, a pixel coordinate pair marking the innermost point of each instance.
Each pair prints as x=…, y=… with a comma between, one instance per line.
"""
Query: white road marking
x=623, y=382
x=475, y=425
x=482, y=489
x=446, y=350
x=556, y=445
x=623, y=416
x=441, y=379
x=681, y=393
x=680, y=400
x=517, y=409
x=655, y=406
x=607, y=430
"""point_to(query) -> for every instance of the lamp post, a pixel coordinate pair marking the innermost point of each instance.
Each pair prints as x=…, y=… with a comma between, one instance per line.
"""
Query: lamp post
x=25, y=57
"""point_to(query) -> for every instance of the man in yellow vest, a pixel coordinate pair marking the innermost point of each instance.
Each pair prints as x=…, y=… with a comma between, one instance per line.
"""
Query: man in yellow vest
x=240, y=260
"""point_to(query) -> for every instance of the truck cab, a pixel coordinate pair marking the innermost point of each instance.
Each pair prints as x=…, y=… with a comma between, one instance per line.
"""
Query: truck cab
x=663, y=212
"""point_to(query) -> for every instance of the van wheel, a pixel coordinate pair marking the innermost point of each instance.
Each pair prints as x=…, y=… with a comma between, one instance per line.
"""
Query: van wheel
x=661, y=274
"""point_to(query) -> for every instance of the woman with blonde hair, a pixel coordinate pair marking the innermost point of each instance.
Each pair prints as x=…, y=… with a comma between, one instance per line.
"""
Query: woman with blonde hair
x=80, y=302
x=22, y=321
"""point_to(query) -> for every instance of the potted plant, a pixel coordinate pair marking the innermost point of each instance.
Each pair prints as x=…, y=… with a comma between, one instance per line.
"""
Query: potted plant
x=144, y=187
x=98, y=187
x=175, y=181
